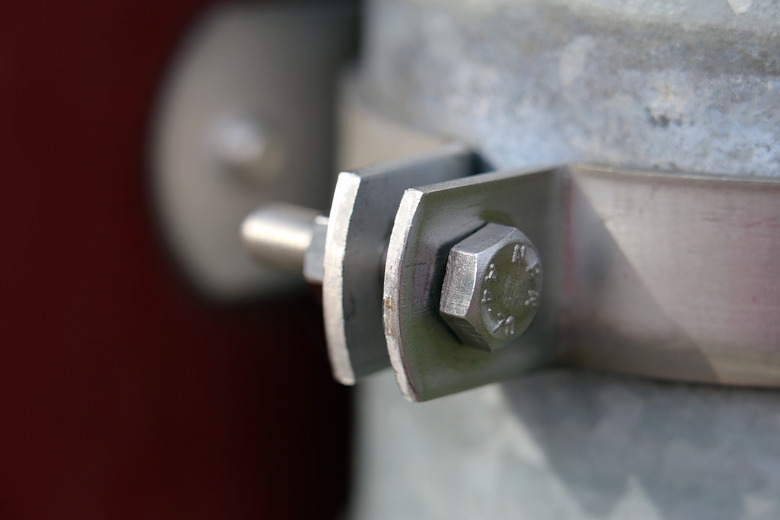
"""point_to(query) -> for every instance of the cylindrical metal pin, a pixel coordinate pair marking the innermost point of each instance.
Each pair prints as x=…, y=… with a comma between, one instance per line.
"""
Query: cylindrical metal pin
x=279, y=234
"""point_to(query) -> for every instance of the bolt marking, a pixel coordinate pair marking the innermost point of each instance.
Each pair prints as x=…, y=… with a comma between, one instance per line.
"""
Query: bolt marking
x=519, y=253
x=499, y=319
x=508, y=323
x=533, y=299
x=502, y=288
x=509, y=326
x=502, y=322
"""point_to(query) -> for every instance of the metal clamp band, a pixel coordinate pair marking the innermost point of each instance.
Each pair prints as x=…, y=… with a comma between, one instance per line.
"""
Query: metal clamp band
x=662, y=275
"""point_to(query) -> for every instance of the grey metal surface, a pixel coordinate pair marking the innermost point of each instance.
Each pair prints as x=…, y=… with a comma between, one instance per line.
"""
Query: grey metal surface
x=360, y=221
x=568, y=445
x=246, y=116
x=492, y=287
x=673, y=276
x=689, y=85
x=278, y=235
x=428, y=359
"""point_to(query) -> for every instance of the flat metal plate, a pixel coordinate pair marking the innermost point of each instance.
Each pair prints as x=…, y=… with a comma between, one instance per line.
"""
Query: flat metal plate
x=428, y=359
x=274, y=65
x=671, y=276
x=361, y=218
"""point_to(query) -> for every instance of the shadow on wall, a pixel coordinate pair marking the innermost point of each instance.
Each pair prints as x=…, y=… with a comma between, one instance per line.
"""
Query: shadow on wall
x=688, y=451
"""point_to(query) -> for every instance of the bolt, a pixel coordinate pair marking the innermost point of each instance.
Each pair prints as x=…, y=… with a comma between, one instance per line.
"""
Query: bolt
x=492, y=287
x=248, y=147
x=279, y=235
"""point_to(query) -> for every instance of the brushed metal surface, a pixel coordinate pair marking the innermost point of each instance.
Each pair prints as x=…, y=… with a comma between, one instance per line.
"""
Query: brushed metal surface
x=673, y=276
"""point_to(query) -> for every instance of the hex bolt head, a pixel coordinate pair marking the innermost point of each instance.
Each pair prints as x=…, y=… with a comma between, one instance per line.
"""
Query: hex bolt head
x=492, y=287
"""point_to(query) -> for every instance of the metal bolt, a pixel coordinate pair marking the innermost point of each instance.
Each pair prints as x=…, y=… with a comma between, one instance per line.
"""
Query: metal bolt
x=279, y=235
x=492, y=287
x=248, y=147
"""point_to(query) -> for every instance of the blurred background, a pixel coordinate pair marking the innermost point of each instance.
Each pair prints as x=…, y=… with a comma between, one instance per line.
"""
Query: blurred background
x=122, y=393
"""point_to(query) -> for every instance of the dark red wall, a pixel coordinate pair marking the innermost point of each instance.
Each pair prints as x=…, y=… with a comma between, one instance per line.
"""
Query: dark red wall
x=121, y=394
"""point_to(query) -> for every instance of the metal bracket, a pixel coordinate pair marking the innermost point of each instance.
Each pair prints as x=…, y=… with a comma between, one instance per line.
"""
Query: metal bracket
x=428, y=359
x=661, y=275
x=672, y=276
